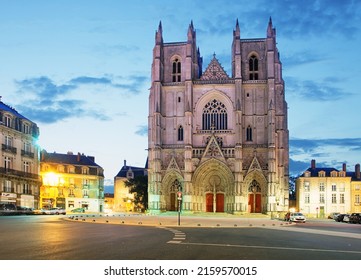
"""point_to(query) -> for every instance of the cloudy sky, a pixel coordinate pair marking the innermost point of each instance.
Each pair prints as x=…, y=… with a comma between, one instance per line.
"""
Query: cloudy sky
x=81, y=70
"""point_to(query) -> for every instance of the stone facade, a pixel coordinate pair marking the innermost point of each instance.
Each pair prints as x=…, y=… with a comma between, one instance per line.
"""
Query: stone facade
x=19, y=169
x=71, y=181
x=324, y=190
x=220, y=140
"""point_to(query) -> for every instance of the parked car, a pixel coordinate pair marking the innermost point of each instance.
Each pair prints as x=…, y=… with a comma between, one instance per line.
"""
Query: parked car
x=295, y=217
x=339, y=217
x=333, y=215
x=7, y=209
x=22, y=210
x=78, y=210
x=355, y=218
x=346, y=218
x=54, y=211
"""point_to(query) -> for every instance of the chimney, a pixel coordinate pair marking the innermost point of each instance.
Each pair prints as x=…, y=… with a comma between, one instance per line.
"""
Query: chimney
x=78, y=157
x=313, y=164
x=357, y=171
x=344, y=167
x=125, y=163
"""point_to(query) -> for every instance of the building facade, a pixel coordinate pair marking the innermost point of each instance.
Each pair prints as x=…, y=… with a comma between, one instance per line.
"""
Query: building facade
x=123, y=199
x=324, y=190
x=356, y=190
x=220, y=142
x=71, y=181
x=19, y=169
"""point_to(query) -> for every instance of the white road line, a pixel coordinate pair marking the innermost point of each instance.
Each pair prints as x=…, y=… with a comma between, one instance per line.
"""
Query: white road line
x=270, y=247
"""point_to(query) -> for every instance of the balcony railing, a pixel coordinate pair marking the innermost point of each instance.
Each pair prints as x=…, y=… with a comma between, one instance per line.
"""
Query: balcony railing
x=27, y=154
x=13, y=172
x=8, y=148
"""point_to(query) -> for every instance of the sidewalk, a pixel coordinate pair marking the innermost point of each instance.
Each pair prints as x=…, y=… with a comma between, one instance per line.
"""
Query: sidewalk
x=187, y=220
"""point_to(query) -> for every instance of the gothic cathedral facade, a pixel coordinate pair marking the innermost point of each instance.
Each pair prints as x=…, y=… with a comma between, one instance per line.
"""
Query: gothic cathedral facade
x=216, y=142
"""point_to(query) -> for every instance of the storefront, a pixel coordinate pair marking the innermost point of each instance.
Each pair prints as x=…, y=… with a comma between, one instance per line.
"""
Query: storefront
x=89, y=204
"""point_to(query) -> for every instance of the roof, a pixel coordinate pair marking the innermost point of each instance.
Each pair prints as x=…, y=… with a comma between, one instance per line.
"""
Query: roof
x=11, y=110
x=314, y=171
x=78, y=159
x=138, y=171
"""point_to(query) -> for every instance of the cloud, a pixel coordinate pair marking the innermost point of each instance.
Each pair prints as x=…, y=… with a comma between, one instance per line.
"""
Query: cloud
x=312, y=146
x=48, y=102
x=142, y=130
x=325, y=151
x=325, y=90
x=297, y=18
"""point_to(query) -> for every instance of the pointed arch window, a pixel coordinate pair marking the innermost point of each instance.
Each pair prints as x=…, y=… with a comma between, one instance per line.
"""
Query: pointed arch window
x=253, y=67
x=254, y=187
x=176, y=70
x=180, y=133
x=214, y=116
x=249, y=133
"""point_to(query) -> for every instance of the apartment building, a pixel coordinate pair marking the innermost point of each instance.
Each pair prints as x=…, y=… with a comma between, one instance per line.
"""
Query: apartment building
x=71, y=181
x=19, y=167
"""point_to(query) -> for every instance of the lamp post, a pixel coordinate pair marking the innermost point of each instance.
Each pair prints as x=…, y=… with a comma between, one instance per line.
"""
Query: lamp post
x=179, y=198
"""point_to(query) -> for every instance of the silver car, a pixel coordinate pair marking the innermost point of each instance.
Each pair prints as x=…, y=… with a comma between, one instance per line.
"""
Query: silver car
x=297, y=217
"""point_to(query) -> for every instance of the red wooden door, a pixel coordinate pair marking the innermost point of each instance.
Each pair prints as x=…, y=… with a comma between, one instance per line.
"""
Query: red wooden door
x=219, y=202
x=209, y=202
x=258, y=203
x=254, y=203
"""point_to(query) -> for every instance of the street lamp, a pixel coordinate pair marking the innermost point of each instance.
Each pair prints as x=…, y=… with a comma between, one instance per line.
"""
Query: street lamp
x=179, y=198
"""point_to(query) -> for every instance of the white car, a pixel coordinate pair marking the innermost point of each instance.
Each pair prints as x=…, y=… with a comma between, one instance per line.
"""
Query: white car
x=297, y=217
x=54, y=211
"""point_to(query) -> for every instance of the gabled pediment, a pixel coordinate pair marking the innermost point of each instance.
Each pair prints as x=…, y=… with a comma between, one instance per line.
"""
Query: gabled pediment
x=254, y=165
x=214, y=72
x=173, y=165
x=213, y=150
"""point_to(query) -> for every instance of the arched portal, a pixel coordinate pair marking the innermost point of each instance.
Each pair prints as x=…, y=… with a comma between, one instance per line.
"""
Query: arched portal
x=255, y=185
x=254, y=197
x=213, y=184
x=171, y=184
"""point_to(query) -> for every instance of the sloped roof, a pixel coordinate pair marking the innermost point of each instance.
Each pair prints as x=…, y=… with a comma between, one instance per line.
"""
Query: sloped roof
x=314, y=171
x=214, y=71
x=138, y=171
x=7, y=108
x=78, y=159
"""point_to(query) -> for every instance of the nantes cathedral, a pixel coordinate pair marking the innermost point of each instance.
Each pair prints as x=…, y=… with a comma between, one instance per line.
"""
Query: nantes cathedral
x=218, y=143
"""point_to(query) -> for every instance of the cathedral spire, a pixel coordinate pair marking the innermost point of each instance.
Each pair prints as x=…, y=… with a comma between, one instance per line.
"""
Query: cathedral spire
x=237, y=32
x=159, y=34
x=270, y=29
x=191, y=33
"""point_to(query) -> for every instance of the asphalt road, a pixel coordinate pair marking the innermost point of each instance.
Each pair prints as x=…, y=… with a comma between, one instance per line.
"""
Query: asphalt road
x=58, y=238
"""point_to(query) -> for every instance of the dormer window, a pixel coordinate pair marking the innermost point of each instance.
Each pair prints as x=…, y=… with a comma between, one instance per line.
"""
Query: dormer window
x=333, y=174
x=130, y=174
x=176, y=70
x=321, y=174
x=26, y=128
x=7, y=121
x=253, y=67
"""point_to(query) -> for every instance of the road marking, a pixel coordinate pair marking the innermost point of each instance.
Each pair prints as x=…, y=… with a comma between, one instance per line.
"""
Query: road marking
x=178, y=237
x=323, y=232
x=270, y=247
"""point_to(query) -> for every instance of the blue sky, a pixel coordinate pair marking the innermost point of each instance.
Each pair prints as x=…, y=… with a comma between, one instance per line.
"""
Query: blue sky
x=81, y=70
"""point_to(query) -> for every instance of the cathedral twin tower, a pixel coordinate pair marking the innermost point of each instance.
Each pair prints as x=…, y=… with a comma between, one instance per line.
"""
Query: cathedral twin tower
x=220, y=142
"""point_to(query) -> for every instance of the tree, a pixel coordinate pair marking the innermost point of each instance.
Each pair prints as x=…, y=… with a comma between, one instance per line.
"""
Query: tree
x=139, y=186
